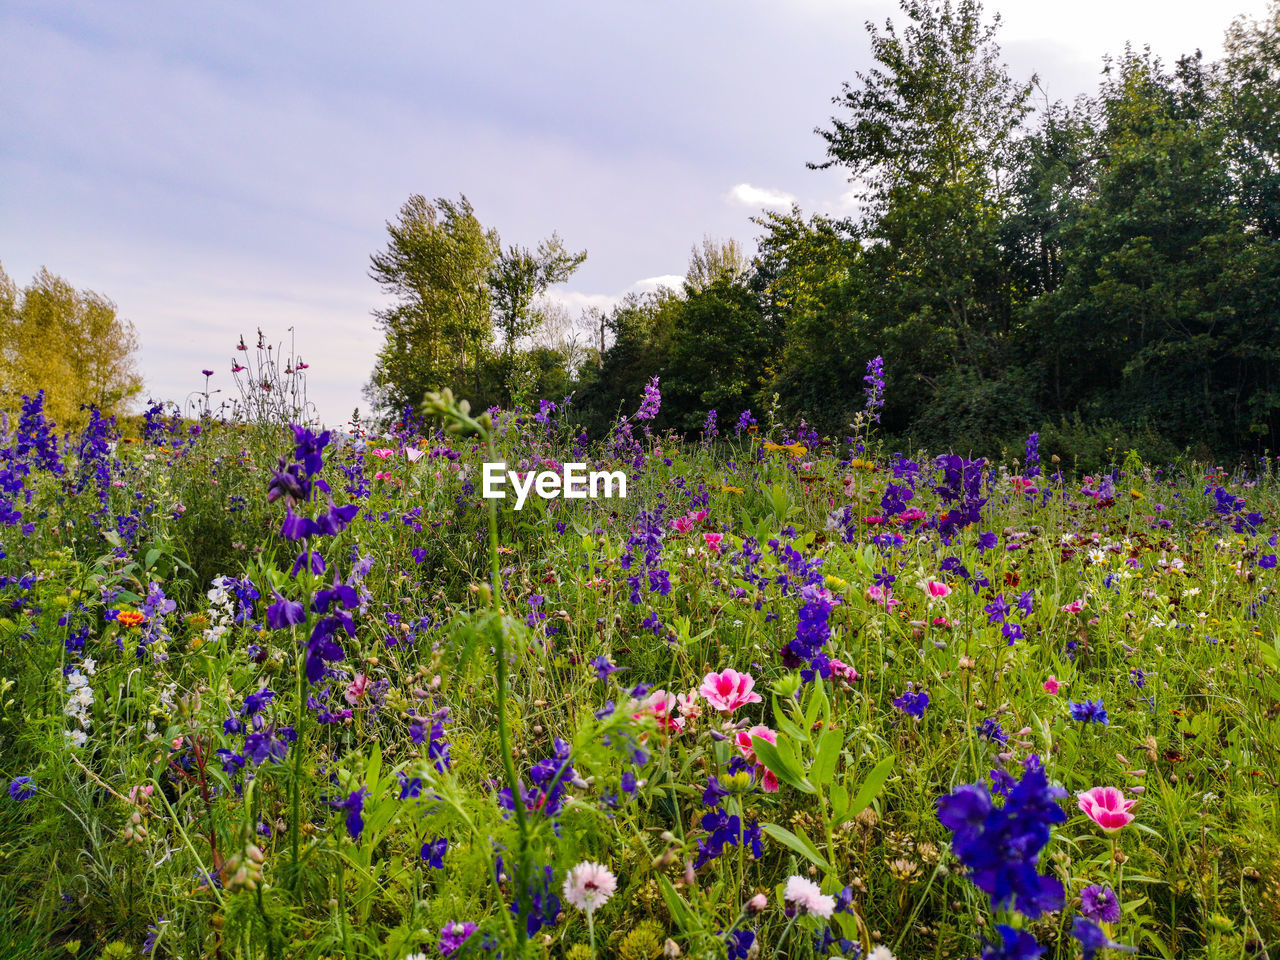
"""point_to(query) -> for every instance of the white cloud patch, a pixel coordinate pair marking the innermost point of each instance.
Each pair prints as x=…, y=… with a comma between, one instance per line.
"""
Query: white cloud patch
x=749, y=196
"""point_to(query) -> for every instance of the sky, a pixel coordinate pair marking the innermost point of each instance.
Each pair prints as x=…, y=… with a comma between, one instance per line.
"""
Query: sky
x=219, y=167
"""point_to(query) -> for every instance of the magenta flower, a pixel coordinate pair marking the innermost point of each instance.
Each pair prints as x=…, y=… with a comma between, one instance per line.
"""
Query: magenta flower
x=1107, y=807
x=729, y=690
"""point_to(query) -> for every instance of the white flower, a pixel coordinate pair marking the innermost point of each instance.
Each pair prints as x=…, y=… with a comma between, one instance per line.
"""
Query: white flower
x=808, y=897
x=881, y=953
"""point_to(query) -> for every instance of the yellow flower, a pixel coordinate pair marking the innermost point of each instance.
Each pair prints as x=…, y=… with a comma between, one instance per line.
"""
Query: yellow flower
x=1136, y=494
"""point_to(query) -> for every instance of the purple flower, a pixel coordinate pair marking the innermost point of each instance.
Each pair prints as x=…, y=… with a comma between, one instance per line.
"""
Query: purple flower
x=22, y=788
x=453, y=936
x=1100, y=904
x=285, y=613
x=1092, y=938
x=1012, y=945
x=433, y=852
x=912, y=703
x=739, y=943
x=354, y=807
x=603, y=667
x=652, y=401
x=875, y=387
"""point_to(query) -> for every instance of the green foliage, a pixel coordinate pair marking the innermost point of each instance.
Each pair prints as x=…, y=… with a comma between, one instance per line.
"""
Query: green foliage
x=72, y=343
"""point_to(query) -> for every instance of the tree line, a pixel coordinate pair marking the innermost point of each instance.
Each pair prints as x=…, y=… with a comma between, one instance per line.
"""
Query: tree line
x=1108, y=265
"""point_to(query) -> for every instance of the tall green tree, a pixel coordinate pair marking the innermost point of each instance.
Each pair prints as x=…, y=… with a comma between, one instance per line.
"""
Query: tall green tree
x=437, y=266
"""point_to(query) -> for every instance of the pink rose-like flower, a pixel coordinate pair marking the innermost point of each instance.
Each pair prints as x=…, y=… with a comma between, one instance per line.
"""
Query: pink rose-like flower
x=1107, y=807
x=842, y=670
x=1052, y=686
x=744, y=741
x=662, y=707
x=729, y=690
x=936, y=590
x=713, y=540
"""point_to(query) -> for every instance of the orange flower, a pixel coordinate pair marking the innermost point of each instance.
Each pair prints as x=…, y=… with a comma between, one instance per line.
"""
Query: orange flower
x=131, y=618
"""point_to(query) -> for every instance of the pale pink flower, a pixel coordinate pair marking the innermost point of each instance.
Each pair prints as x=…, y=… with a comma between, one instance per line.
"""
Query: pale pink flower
x=660, y=705
x=413, y=453
x=807, y=897
x=589, y=886
x=1107, y=807
x=881, y=596
x=1052, y=686
x=689, y=706
x=355, y=689
x=756, y=904
x=935, y=590
x=729, y=690
x=713, y=541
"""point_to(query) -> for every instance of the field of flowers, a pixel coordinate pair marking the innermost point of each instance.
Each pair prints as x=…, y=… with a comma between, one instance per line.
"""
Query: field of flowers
x=272, y=691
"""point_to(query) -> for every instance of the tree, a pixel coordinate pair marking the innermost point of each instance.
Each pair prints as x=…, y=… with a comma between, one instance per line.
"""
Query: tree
x=456, y=291
x=71, y=343
x=437, y=264
x=926, y=136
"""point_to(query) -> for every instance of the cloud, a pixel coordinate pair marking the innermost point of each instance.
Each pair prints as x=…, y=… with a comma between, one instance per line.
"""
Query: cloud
x=749, y=196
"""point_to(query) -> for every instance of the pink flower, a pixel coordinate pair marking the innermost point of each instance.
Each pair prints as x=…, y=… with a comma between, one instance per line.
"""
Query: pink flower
x=842, y=670
x=807, y=897
x=881, y=596
x=688, y=705
x=1107, y=807
x=1075, y=606
x=661, y=705
x=935, y=590
x=589, y=886
x=698, y=516
x=729, y=690
x=1052, y=686
x=713, y=540
x=382, y=453
x=384, y=475
x=744, y=741
x=682, y=524
x=355, y=689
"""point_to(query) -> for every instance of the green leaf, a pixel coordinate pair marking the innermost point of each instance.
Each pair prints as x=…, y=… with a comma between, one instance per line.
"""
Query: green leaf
x=871, y=786
x=676, y=906
x=839, y=800
x=800, y=844
x=823, y=770
x=788, y=772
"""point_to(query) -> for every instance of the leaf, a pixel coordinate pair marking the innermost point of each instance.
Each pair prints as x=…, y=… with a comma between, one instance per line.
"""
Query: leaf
x=823, y=770
x=676, y=906
x=790, y=774
x=801, y=845
x=839, y=801
x=871, y=786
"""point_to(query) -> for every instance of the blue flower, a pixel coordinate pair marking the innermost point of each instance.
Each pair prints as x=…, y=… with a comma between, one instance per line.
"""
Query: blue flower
x=1089, y=711
x=22, y=788
x=1001, y=845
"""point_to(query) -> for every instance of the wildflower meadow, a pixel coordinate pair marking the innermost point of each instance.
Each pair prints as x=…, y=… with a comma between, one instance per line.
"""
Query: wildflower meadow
x=274, y=691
